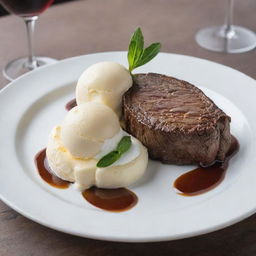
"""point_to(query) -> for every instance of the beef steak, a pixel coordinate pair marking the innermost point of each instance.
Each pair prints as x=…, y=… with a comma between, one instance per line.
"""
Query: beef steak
x=175, y=120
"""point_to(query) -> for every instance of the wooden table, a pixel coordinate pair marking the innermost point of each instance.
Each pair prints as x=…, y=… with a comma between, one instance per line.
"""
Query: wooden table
x=96, y=25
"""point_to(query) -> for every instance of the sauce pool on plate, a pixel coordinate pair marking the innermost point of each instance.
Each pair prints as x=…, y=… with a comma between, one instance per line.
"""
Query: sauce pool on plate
x=45, y=171
x=114, y=200
x=203, y=179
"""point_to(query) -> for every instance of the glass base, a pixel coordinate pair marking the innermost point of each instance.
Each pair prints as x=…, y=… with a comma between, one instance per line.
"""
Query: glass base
x=237, y=40
x=18, y=67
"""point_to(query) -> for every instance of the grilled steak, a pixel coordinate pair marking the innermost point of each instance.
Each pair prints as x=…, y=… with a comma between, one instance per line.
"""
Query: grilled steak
x=175, y=120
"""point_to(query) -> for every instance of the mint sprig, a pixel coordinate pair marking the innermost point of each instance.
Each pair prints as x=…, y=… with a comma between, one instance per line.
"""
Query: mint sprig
x=137, y=55
x=122, y=147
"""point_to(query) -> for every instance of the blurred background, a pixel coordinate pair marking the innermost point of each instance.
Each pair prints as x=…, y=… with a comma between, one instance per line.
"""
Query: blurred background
x=80, y=27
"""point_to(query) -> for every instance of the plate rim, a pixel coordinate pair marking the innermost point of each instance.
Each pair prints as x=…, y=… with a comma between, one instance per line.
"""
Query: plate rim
x=110, y=238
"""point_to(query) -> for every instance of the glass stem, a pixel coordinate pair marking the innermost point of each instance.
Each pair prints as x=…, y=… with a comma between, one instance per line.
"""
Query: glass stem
x=30, y=26
x=229, y=31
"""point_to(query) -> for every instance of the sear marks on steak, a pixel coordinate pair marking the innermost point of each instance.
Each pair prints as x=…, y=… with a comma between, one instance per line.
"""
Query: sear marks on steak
x=176, y=121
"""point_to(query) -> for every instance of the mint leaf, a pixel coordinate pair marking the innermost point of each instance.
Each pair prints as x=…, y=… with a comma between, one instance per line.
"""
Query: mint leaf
x=131, y=54
x=135, y=48
x=124, y=144
x=137, y=55
x=109, y=159
x=122, y=147
x=148, y=54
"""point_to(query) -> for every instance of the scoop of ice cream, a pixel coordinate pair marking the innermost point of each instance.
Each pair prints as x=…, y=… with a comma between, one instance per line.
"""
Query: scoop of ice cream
x=128, y=169
x=86, y=127
x=105, y=82
x=58, y=157
x=64, y=165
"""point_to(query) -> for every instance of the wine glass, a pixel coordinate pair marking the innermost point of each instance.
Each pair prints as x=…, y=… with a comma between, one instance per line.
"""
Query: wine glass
x=28, y=10
x=227, y=38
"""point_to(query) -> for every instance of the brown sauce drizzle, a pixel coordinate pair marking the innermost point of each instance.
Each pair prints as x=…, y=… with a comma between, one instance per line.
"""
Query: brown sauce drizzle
x=114, y=200
x=71, y=104
x=46, y=173
x=203, y=179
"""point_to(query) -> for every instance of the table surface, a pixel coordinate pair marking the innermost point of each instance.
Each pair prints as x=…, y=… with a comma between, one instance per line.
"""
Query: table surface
x=87, y=26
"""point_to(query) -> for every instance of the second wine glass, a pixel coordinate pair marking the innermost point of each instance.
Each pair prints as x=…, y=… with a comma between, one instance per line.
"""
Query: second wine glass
x=227, y=38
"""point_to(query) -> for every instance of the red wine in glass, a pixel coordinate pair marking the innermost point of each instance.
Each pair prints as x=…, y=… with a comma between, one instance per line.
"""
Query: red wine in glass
x=28, y=10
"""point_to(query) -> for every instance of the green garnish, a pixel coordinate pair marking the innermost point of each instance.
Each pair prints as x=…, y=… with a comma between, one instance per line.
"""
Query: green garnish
x=137, y=55
x=124, y=144
x=122, y=147
x=109, y=159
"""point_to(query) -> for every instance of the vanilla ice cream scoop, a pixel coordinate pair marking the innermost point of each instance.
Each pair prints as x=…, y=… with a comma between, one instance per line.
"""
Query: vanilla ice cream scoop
x=86, y=127
x=63, y=164
x=104, y=82
x=84, y=172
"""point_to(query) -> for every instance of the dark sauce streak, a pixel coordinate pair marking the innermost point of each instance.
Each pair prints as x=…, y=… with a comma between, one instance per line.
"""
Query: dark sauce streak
x=203, y=179
x=71, y=104
x=114, y=200
x=46, y=173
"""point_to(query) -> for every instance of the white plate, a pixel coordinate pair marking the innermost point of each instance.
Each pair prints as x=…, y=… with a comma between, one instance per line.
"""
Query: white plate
x=34, y=103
